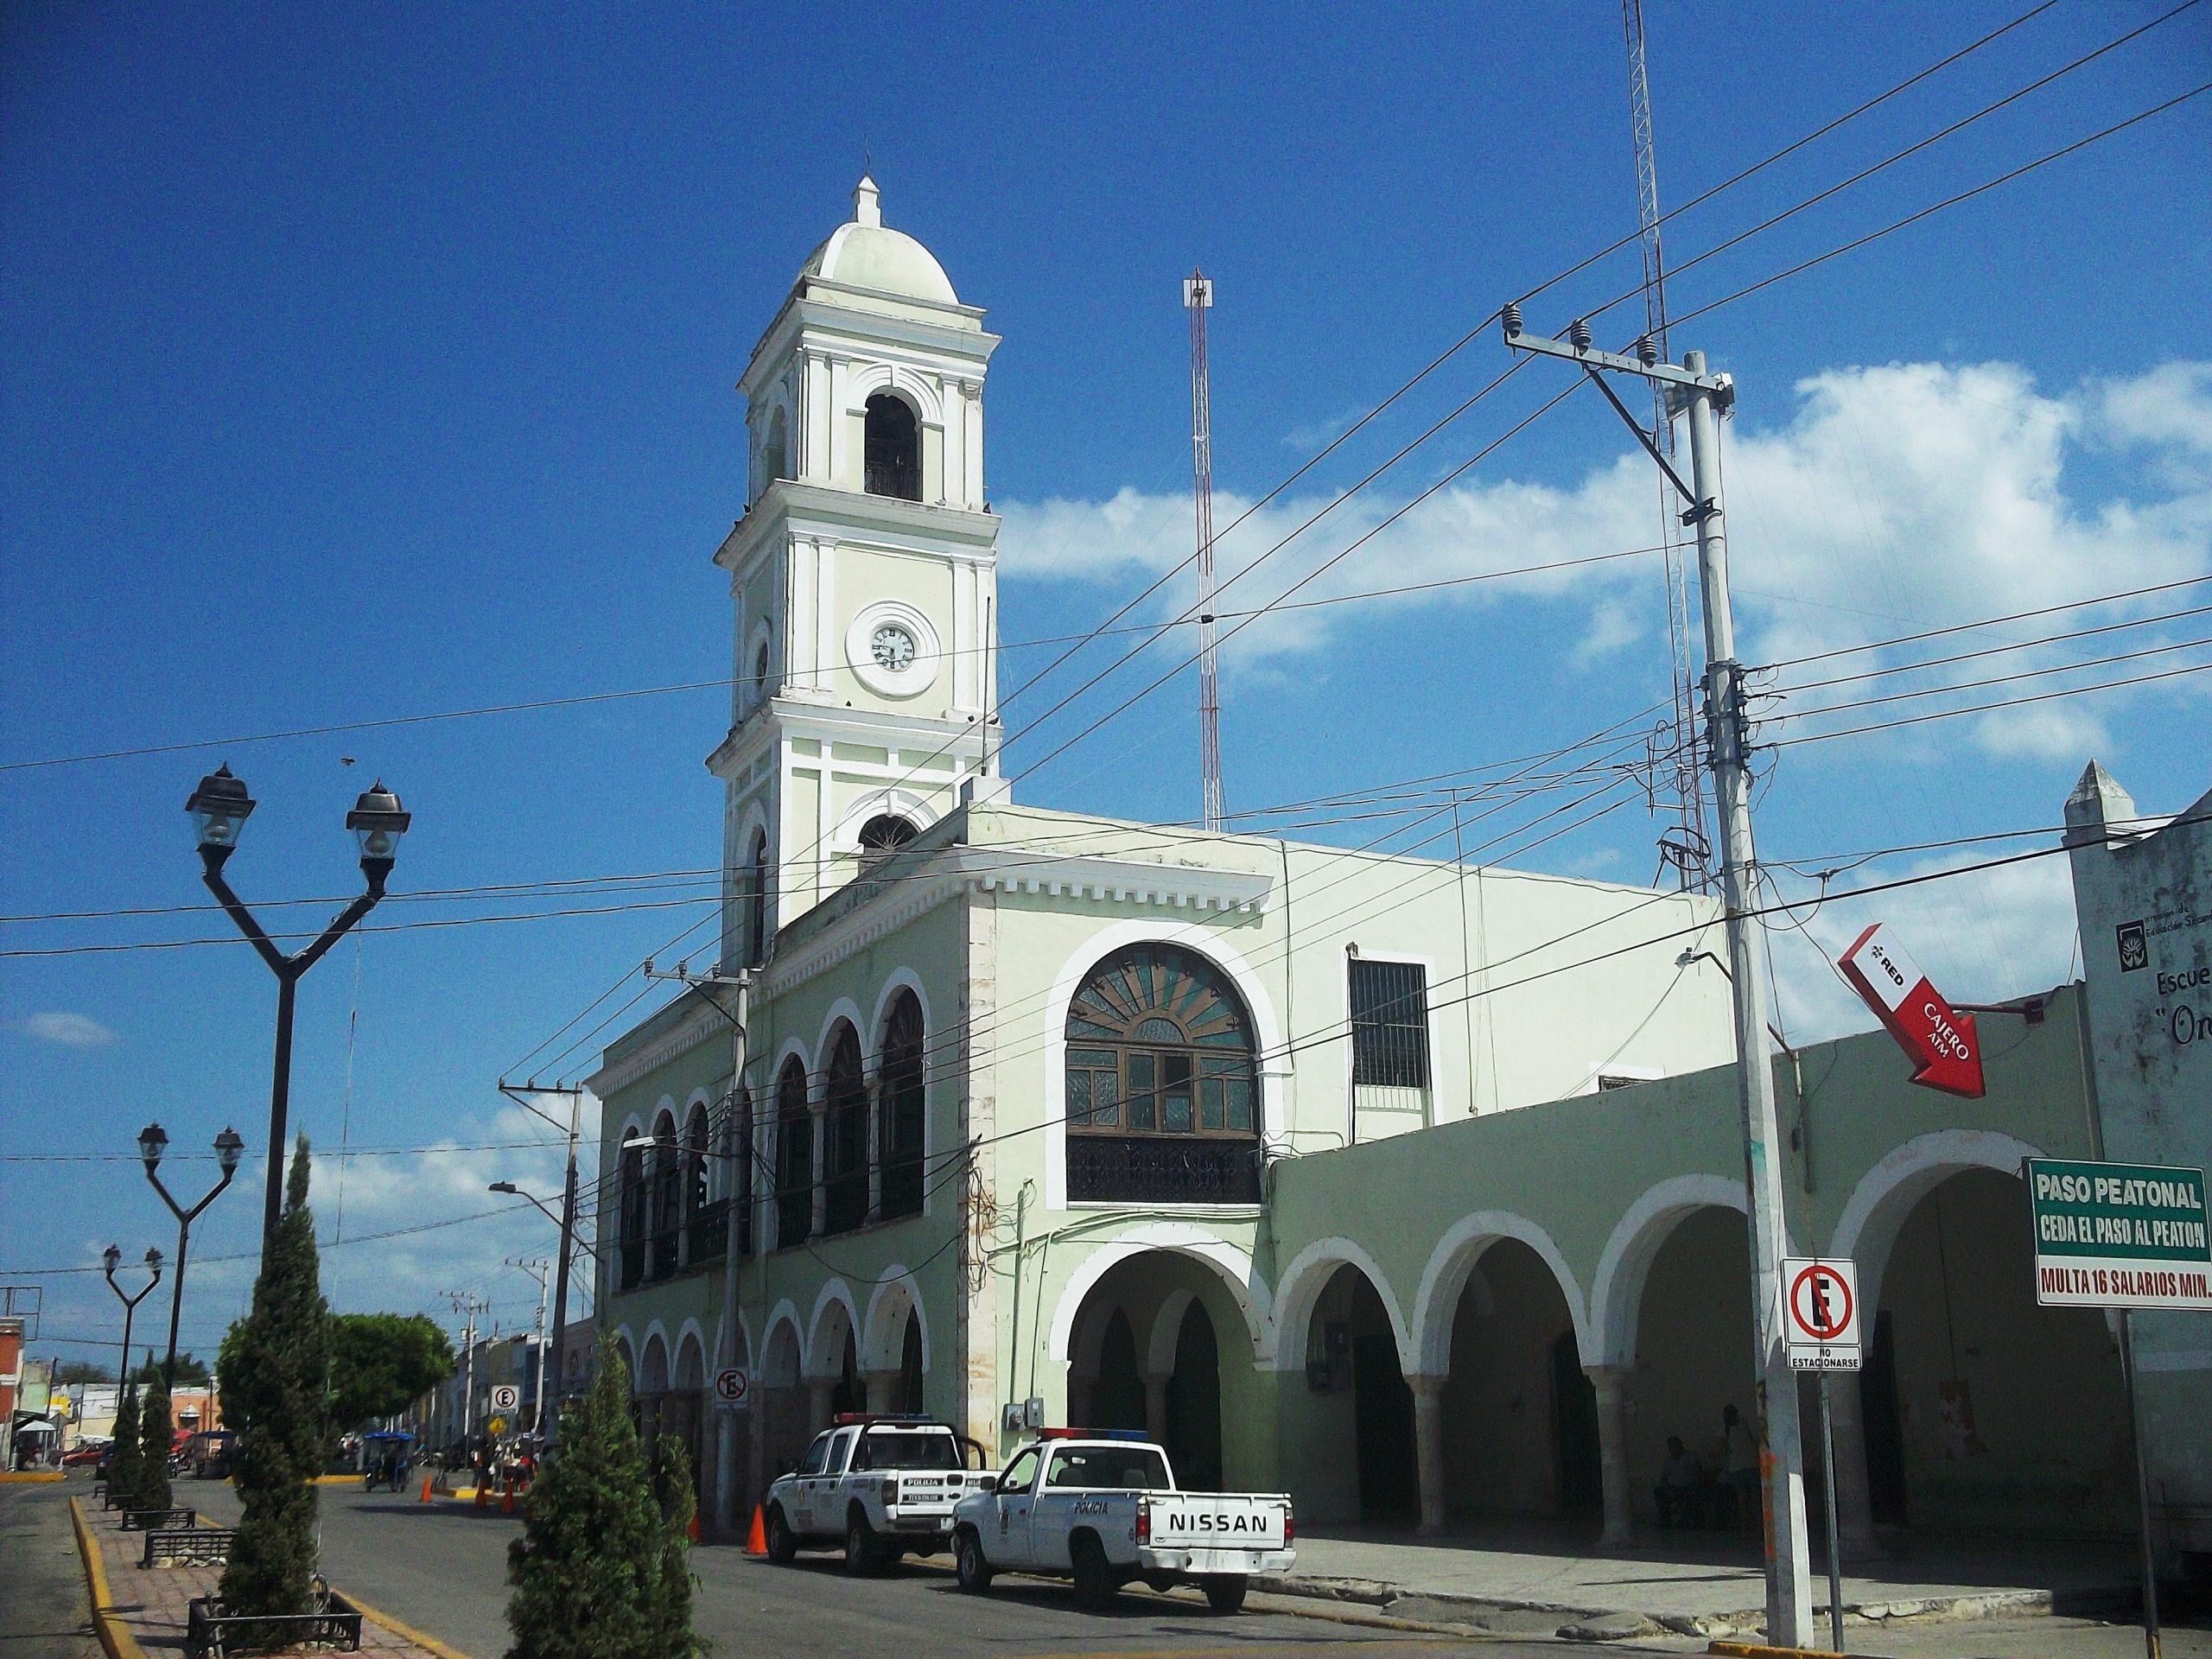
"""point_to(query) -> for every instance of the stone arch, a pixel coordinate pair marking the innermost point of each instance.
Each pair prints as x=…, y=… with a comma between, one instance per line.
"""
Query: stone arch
x=626, y=1342
x=892, y=801
x=844, y=1009
x=1298, y=1291
x=782, y=1347
x=733, y=1342
x=901, y=978
x=1436, y=1305
x=833, y=1318
x=1887, y=1193
x=1616, y=1291
x=653, y=1368
x=690, y=1370
x=891, y=443
x=1168, y=1329
x=872, y=377
x=896, y=1295
x=1232, y=1266
x=1209, y=943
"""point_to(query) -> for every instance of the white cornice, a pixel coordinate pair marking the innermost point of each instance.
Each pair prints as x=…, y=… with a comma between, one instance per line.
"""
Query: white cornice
x=786, y=717
x=854, y=517
x=687, y=1033
x=953, y=870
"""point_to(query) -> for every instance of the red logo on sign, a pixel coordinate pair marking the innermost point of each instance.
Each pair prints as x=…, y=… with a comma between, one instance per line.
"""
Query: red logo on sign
x=1819, y=1303
x=1941, y=1040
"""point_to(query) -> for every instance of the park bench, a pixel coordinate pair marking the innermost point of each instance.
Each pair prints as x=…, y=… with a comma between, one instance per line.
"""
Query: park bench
x=188, y=1547
x=155, y=1520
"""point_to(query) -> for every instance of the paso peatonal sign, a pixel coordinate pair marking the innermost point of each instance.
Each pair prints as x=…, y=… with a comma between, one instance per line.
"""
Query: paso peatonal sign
x=2120, y=1235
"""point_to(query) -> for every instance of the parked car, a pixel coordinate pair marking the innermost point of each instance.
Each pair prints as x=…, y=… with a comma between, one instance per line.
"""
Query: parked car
x=882, y=1486
x=87, y=1451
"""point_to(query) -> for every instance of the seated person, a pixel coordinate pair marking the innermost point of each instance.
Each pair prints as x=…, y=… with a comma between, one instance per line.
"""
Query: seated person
x=1681, y=1491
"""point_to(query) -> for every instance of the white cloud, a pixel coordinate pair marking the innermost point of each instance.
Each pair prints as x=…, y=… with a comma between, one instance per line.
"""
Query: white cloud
x=1895, y=500
x=69, y=1030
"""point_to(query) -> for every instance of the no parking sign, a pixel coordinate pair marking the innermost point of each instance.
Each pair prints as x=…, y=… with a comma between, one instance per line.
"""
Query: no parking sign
x=1820, y=1304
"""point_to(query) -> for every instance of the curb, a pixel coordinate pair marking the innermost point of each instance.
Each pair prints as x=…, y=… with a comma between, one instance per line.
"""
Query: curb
x=116, y=1640
x=32, y=1476
x=1760, y=1650
x=427, y=1642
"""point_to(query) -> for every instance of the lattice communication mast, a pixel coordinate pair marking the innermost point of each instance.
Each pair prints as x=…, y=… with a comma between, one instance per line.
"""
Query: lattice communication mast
x=1687, y=847
x=1197, y=299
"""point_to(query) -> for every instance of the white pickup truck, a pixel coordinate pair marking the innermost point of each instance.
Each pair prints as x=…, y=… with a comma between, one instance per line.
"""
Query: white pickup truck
x=1102, y=1508
x=883, y=1486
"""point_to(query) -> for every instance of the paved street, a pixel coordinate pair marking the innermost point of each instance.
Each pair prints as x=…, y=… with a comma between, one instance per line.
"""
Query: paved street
x=441, y=1567
x=44, y=1613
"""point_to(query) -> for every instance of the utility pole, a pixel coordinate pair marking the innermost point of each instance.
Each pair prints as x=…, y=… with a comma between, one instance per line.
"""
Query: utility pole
x=1197, y=299
x=466, y=1308
x=537, y=1271
x=567, y=1231
x=1703, y=397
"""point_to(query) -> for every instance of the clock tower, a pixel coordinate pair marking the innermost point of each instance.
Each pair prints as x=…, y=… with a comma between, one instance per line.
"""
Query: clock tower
x=863, y=576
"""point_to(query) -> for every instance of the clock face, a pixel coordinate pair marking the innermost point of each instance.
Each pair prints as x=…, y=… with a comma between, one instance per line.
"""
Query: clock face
x=892, y=647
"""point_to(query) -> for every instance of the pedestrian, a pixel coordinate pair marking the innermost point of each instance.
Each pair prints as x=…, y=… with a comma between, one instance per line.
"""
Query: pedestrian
x=1681, y=1491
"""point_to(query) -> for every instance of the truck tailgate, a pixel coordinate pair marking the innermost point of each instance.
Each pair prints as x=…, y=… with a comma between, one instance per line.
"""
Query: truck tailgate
x=1217, y=1521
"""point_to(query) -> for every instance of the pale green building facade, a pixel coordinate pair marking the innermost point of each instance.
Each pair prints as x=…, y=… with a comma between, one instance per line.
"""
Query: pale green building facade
x=1412, y=1187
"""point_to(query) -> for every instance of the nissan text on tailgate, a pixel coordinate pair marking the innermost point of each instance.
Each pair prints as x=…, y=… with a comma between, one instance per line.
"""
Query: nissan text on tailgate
x=1102, y=1508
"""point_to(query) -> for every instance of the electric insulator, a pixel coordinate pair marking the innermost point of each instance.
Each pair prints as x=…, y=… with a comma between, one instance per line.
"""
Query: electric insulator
x=1647, y=352
x=1512, y=315
x=1578, y=335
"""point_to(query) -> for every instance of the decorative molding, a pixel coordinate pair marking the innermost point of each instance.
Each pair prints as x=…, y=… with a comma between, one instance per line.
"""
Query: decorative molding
x=687, y=1033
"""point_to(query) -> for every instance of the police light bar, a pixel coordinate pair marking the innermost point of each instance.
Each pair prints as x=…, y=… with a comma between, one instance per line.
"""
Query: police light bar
x=843, y=1419
x=1092, y=1434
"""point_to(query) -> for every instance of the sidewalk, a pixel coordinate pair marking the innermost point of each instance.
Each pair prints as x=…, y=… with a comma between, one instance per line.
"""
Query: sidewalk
x=140, y=1610
x=1528, y=1576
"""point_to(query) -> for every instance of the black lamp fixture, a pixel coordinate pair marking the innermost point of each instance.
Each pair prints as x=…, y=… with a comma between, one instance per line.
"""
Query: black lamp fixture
x=220, y=808
x=153, y=1141
x=111, y=1259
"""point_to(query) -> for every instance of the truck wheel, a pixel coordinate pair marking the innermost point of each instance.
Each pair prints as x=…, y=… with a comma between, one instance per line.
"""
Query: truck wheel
x=975, y=1573
x=1225, y=1592
x=783, y=1545
x=1095, y=1585
x=861, y=1554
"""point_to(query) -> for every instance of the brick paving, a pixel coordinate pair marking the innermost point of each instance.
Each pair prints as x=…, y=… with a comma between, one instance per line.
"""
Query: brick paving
x=152, y=1602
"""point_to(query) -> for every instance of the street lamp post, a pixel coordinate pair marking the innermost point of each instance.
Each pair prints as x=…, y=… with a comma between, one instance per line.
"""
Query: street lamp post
x=566, y=1221
x=152, y=1142
x=220, y=808
x=111, y=1259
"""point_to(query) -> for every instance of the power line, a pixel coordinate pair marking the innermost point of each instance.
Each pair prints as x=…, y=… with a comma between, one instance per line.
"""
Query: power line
x=1989, y=651
x=1999, y=679
x=1984, y=622
x=1987, y=185
x=1983, y=708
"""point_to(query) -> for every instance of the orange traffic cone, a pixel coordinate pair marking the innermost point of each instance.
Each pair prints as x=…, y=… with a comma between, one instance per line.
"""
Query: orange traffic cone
x=756, y=1541
x=507, y=1497
x=426, y=1490
x=483, y=1490
x=691, y=1527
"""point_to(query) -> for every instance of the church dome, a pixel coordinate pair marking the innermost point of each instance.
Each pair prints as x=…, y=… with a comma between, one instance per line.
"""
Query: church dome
x=867, y=253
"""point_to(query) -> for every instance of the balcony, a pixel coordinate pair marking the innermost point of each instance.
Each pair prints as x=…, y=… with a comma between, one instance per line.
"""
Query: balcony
x=633, y=1263
x=707, y=1234
x=845, y=1202
x=664, y=1252
x=1163, y=1169
x=902, y=1186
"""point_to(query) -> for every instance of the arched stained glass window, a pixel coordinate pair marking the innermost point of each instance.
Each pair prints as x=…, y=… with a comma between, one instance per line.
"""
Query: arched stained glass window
x=845, y=1122
x=1163, y=1098
x=901, y=1098
x=794, y=1157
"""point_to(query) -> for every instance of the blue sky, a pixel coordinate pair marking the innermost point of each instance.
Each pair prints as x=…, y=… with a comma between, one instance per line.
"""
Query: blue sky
x=361, y=366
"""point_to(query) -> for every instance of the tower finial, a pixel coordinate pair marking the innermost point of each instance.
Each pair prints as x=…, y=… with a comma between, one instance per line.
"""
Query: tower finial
x=867, y=209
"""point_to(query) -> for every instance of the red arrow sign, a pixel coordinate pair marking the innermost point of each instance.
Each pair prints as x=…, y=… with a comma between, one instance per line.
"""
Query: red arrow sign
x=1942, y=1042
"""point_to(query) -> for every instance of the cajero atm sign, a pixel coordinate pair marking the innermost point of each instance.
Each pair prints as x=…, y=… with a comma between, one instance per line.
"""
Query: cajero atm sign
x=2120, y=1235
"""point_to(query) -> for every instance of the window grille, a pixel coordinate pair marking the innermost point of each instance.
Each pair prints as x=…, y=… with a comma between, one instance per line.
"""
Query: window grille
x=794, y=1158
x=1389, y=1023
x=902, y=1100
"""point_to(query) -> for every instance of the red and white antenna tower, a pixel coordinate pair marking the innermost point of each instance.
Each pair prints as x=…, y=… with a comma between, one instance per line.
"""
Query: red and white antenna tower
x=1197, y=298
x=1687, y=847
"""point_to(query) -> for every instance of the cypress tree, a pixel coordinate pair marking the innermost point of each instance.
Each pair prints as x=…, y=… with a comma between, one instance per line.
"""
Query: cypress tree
x=670, y=1618
x=275, y=1386
x=152, y=1491
x=599, y=1572
x=123, y=1458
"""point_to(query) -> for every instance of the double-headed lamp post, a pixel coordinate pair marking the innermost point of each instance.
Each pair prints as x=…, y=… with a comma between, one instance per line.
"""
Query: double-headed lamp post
x=152, y=1142
x=111, y=1259
x=220, y=808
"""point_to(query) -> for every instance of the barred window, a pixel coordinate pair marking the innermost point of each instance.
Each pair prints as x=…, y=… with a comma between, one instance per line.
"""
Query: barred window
x=1389, y=1023
x=794, y=1157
